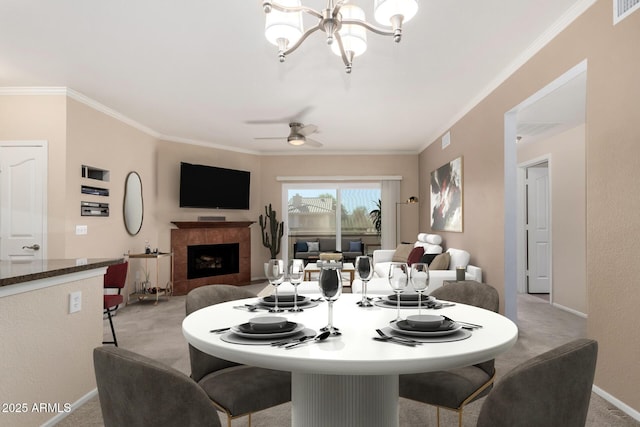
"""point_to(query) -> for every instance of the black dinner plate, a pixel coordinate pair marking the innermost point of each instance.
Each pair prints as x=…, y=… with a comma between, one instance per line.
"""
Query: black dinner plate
x=410, y=300
x=284, y=300
x=248, y=329
x=446, y=325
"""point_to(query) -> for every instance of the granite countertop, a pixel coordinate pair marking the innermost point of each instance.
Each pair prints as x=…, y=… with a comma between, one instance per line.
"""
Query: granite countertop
x=14, y=272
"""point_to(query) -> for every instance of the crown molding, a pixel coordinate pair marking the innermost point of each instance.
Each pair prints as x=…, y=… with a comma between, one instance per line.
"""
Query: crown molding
x=552, y=32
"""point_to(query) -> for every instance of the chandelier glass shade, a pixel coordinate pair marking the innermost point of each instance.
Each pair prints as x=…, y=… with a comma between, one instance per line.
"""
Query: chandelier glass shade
x=344, y=24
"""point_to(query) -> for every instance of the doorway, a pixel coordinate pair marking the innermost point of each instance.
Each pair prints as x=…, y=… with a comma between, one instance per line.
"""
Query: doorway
x=560, y=110
x=23, y=200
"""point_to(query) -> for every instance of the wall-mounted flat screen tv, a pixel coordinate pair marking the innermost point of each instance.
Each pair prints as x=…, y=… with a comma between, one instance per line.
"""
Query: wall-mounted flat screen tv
x=213, y=188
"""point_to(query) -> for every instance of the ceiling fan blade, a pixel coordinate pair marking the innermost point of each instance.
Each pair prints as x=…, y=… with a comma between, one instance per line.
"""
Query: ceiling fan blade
x=308, y=130
x=273, y=137
x=312, y=143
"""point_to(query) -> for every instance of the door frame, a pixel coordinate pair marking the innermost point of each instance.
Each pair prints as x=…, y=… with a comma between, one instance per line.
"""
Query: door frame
x=512, y=244
x=522, y=211
x=43, y=146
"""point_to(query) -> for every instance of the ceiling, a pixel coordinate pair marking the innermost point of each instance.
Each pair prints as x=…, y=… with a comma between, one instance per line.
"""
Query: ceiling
x=202, y=71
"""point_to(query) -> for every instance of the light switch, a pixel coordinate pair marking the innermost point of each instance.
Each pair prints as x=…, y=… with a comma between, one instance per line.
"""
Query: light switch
x=81, y=230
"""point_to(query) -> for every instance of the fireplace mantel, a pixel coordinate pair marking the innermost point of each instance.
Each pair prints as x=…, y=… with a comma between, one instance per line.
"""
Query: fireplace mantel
x=196, y=233
x=212, y=224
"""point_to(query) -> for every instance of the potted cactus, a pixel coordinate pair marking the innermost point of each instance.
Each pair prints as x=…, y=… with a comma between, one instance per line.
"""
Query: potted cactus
x=272, y=231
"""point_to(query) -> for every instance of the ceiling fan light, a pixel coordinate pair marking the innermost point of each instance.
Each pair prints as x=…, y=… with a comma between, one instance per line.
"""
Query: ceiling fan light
x=296, y=140
x=384, y=10
x=354, y=37
x=284, y=25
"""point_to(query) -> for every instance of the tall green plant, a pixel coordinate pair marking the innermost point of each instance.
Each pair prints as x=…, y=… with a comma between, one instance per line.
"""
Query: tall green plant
x=376, y=217
x=272, y=231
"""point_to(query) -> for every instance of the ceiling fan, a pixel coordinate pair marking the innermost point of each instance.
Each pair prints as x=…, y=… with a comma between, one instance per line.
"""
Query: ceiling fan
x=298, y=135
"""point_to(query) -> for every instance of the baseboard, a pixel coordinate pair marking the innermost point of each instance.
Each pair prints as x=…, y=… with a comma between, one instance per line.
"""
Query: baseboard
x=75, y=405
x=570, y=310
x=617, y=403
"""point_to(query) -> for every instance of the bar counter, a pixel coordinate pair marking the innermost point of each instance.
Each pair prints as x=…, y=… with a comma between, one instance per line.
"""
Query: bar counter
x=14, y=272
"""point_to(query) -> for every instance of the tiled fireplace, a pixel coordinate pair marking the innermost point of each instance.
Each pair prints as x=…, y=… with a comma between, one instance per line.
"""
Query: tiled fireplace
x=209, y=253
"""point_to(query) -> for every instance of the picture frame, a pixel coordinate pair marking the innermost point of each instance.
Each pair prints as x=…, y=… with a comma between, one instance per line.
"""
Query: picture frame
x=446, y=197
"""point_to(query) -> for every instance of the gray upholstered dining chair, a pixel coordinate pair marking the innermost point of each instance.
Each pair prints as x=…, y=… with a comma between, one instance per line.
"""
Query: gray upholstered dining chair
x=455, y=388
x=236, y=389
x=549, y=390
x=136, y=391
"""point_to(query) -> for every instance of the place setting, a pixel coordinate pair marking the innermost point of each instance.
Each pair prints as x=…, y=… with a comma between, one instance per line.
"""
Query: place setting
x=266, y=330
x=420, y=327
x=426, y=328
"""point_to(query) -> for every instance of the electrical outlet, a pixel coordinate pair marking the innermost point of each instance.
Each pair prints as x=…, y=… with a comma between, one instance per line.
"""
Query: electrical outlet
x=75, y=302
x=81, y=230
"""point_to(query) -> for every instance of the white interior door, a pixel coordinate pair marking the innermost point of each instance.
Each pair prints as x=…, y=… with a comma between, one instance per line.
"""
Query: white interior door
x=538, y=230
x=22, y=200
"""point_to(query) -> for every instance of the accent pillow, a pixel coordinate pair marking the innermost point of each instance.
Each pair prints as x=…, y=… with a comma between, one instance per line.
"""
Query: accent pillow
x=459, y=258
x=427, y=258
x=415, y=255
x=313, y=246
x=440, y=262
x=402, y=252
x=355, y=246
x=302, y=247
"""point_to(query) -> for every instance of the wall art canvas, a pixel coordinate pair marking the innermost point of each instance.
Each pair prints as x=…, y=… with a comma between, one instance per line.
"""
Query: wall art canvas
x=446, y=197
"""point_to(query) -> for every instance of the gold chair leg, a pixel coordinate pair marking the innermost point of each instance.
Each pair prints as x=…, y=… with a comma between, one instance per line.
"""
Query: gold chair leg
x=460, y=418
x=438, y=415
x=249, y=419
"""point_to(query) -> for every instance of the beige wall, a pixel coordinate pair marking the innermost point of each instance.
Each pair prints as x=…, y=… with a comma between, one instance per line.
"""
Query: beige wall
x=26, y=118
x=46, y=352
x=612, y=180
x=98, y=140
x=566, y=154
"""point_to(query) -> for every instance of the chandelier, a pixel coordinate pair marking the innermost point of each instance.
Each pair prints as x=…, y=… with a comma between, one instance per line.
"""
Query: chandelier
x=343, y=23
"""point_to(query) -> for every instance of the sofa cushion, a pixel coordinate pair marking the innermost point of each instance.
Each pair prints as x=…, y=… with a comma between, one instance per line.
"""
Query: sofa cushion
x=313, y=246
x=327, y=245
x=415, y=255
x=355, y=246
x=440, y=262
x=402, y=252
x=459, y=258
x=427, y=258
x=302, y=247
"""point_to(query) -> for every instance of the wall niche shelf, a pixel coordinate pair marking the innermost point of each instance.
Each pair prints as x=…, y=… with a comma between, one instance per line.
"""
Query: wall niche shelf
x=95, y=191
x=95, y=173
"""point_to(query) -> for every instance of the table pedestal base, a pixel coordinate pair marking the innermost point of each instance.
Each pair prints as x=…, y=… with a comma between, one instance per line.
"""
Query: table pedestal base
x=344, y=400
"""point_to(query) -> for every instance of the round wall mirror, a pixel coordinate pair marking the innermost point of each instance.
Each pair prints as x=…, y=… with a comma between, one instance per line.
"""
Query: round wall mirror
x=133, y=208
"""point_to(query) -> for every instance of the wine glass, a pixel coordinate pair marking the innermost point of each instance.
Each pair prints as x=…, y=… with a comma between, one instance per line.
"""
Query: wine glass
x=365, y=271
x=419, y=276
x=296, y=271
x=398, y=279
x=330, y=283
x=274, y=270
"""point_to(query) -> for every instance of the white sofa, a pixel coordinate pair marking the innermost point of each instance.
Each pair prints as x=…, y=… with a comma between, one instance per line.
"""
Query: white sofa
x=379, y=285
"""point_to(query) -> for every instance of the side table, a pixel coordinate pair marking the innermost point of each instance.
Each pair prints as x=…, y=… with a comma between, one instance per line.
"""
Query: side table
x=168, y=289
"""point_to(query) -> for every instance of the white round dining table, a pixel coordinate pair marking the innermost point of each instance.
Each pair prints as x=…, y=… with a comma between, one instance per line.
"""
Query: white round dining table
x=350, y=379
